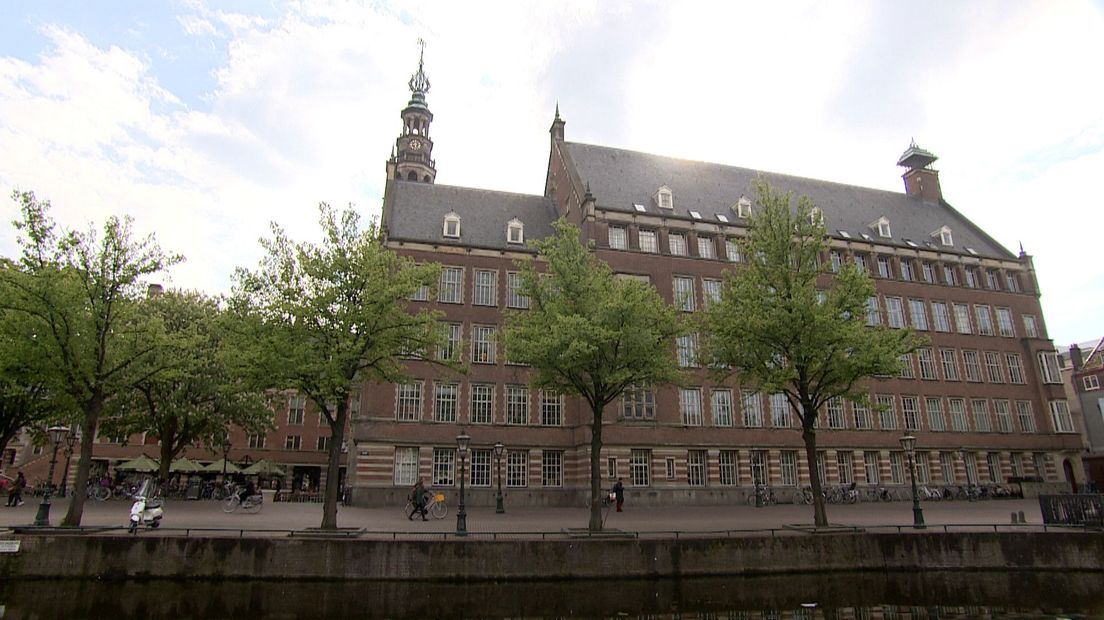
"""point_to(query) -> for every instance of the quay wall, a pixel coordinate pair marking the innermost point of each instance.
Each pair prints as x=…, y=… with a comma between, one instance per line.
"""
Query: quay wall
x=171, y=557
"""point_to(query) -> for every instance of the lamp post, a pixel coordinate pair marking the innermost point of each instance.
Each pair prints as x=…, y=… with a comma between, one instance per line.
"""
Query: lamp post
x=969, y=486
x=70, y=443
x=57, y=435
x=462, y=441
x=908, y=442
x=498, y=448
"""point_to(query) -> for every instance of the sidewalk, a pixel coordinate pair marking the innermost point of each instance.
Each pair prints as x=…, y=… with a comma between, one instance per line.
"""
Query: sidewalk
x=482, y=519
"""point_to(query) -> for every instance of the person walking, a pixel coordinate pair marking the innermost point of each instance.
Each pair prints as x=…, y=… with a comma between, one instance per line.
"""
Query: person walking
x=418, y=497
x=15, y=493
x=619, y=494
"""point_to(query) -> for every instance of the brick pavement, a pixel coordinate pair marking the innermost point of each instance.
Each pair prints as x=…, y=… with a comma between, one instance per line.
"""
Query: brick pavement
x=295, y=516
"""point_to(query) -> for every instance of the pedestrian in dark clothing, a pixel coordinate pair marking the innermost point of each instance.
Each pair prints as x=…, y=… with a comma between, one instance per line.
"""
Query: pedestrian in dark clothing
x=619, y=494
x=15, y=493
x=418, y=496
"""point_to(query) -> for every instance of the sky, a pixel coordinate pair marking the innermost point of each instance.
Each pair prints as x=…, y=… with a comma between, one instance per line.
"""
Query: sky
x=205, y=121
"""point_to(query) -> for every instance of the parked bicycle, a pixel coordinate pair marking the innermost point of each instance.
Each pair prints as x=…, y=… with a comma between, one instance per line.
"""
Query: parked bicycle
x=763, y=496
x=251, y=504
x=97, y=491
x=803, y=496
x=435, y=505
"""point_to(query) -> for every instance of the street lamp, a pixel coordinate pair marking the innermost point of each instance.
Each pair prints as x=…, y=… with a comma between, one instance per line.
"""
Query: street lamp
x=462, y=441
x=498, y=448
x=908, y=442
x=57, y=435
x=969, y=486
x=70, y=443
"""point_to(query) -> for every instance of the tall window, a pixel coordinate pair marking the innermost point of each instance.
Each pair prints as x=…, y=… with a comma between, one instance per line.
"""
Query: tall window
x=861, y=412
x=711, y=291
x=941, y=316
x=910, y=407
x=727, y=460
x=687, y=350
x=257, y=441
x=992, y=462
x=993, y=367
x=618, y=239
x=927, y=271
x=845, y=466
x=517, y=469
x=919, y=311
x=695, y=468
x=835, y=261
x=1004, y=323
x=860, y=262
x=991, y=280
x=517, y=404
x=1012, y=282
x=296, y=410
x=946, y=467
x=443, y=461
x=1003, y=411
x=972, y=363
x=451, y=288
x=950, y=364
x=1048, y=364
x=732, y=250
x=482, y=403
x=958, y=414
x=690, y=405
x=873, y=311
x=962, y=318
x=1060, y=416
x=935, y=413
x=887, y=410
x=514, y=298
x=705, y=247
x=927, y=363
x=677, y=243
x=906, y=368
x=1026, y=415
x=788, y=468
x=949, y=276
x=753, y=409
x=640, y=468
x=486, y=288
x=551, y=405
x=971, y=277
x=780, y=411
x=684, y=293
x=648, y=241
x=483, y=344
x=896, y=468
x=981, y=415
x=906, y=270
x=984, y=320
x=406, y=466
x=445, y=396
x=721, y=404
x=760, y=467
x=870, y=467
x=408, y=401
x=895, y=312
x=451, y=349
x=884, y=270
x=479, y=472
x=836, y=414
x=638, y=403
x=1031, y=328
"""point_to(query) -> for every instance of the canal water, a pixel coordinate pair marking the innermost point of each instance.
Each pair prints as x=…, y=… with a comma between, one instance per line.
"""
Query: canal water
x=903, y=596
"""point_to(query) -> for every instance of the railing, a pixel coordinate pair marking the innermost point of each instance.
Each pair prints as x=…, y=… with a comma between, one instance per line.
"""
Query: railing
x=1086, y=509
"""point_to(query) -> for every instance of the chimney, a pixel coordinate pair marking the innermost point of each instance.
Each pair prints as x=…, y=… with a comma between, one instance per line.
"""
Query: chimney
x=921, y=180
x=1076, y=358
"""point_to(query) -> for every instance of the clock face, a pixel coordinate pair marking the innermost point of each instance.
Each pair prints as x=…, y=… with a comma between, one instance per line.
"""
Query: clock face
x=415, y=144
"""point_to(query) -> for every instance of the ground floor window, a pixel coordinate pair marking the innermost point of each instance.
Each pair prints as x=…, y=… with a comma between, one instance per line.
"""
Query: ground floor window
x=789, y=468
x=845, y=467
x=695, y=468
x=406, y=466
x=443, y=460
x=480, y=468
x=552, y=468
x=992, y=460
x=760, y=468
x=517, y=469
x=640, y=467
x=946, y=467
x=922, y=473
x=870, y=465
x=896, y=469
x=728, y=469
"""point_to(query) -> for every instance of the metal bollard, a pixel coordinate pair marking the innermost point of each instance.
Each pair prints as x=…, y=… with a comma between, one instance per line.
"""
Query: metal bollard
x=1022, y=520
x=1014, y=519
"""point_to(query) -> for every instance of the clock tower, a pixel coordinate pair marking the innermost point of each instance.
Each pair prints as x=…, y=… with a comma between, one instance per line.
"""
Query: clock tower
x=412, y=159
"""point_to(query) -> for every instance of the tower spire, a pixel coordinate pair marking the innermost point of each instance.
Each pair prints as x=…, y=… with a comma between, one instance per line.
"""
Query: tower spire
x=412, y=155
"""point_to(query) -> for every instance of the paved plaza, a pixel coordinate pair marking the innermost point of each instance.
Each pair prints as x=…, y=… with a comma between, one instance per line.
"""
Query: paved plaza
x=181, y=514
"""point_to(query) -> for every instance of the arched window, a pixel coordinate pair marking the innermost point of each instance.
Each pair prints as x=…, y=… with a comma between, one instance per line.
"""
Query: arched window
x=412, y=176
x=426, y=179
x=452, y=226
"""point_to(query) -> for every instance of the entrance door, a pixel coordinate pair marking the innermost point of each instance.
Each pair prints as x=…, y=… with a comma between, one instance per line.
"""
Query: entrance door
x=1068, y=468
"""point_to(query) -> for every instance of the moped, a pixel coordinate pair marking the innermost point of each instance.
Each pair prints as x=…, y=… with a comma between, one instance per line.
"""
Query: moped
x=145, y=510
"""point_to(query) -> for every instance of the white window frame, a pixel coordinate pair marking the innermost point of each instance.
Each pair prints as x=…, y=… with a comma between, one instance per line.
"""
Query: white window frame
x=406, y=466
x=1049, y=368
x=515, y=231
x=690, y=406
x=484, y=289
x=683, y=293
x=1090, y=382
x=618, y=238
x=665, y=198
x=1060, y=416
x=720, y=402
x=676, y=243
x=648, y=241
x=451, y=226
x=706, y=249
x=451, y=288
x=481, y=398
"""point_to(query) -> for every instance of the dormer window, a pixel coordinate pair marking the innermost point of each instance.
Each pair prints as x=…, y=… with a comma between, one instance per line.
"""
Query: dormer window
x=742, y=208
x=663, y=198
x=816, y=217
x=882, y=226
x=452, y=226
x=515, y=231
x=944, y=235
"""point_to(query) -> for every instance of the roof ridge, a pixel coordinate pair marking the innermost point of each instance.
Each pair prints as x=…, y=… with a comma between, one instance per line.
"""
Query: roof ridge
x=468, y=189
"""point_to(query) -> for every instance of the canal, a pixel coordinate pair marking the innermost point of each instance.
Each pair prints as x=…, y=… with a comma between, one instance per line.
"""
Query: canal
x=1020, y=595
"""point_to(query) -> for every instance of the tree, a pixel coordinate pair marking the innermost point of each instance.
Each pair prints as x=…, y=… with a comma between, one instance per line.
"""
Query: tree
x=195, y=389
x=324, y=318
x=786, y=324
x=591, y=334
x=75, y=293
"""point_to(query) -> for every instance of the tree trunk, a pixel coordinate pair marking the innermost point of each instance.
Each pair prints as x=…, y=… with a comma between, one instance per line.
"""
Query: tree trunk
x=808, y=433
x=596, y=473
x=88, y=435
x=166, y=460
x=333, y=466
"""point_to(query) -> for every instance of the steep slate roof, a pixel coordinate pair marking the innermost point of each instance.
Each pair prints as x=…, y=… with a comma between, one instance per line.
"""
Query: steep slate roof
x=619, y=179
x=416, y=212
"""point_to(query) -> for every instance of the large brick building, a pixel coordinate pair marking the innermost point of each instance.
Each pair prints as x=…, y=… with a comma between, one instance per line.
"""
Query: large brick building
x=985, y=396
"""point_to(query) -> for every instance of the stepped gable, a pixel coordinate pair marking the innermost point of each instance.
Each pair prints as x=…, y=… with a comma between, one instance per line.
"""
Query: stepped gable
x=621, y=178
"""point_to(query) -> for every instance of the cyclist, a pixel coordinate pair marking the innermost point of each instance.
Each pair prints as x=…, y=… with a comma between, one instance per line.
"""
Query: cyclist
x=248, y=491
x=418, y=496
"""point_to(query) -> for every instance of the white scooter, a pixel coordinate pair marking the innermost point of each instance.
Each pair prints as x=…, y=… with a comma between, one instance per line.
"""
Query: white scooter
x=145, y=510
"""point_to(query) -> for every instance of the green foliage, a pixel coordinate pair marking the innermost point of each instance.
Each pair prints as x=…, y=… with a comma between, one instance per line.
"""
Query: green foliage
x=786, y=324
x=193, y=390
x=589, y=333
x=322, y=319
x=75, y=295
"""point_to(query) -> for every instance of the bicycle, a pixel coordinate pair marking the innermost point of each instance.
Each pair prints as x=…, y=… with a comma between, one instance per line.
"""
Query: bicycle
x=763, y=496
x=98, y=492
x=803, y=496
x=251, y=504
x=435, y=505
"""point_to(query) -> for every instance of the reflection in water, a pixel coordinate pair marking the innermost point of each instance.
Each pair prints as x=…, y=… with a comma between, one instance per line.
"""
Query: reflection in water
x=904, y=596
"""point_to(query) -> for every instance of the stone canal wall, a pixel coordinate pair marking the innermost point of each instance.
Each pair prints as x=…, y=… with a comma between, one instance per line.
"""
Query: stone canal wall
x=121, y=556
